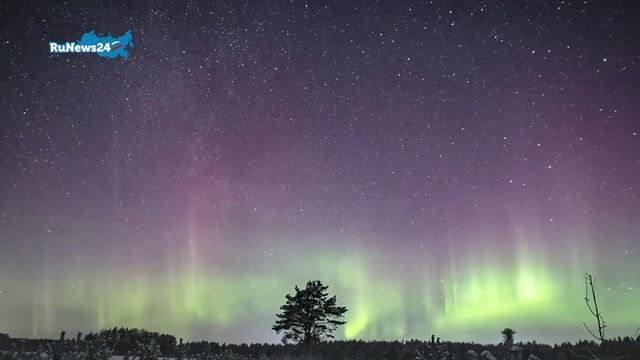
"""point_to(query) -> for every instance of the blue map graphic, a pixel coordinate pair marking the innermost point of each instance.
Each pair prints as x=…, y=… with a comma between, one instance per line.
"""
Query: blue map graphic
x=117, y=45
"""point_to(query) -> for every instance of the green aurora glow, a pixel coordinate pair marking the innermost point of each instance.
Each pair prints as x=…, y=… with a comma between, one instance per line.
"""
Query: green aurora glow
x=474, y=298
x=448, y=168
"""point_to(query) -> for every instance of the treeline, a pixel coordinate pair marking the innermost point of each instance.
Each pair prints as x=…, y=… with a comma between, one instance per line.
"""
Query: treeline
x=401, y=350
x=147, y=345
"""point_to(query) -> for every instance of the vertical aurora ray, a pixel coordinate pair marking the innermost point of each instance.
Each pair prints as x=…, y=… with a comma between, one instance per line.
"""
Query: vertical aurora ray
x=526, y=290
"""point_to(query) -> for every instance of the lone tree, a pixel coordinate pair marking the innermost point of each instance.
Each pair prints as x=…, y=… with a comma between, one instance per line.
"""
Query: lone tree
x=309, y=315
x=508, y=333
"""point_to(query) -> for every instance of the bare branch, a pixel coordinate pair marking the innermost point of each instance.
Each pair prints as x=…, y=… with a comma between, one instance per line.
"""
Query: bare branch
x=590, y=332
x=589, y=299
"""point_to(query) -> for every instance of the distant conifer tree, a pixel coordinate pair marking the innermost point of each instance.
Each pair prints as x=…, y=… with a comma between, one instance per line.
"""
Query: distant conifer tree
x=309, y=315
x=508, y=333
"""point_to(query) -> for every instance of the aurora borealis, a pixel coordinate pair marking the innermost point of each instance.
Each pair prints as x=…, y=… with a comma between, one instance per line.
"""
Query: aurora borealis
x=445, y=168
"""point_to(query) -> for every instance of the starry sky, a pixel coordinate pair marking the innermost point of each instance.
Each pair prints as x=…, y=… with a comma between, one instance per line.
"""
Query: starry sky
x=445, y=167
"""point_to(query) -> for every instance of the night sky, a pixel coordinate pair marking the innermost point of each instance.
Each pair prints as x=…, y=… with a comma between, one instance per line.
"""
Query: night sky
x=444, y=167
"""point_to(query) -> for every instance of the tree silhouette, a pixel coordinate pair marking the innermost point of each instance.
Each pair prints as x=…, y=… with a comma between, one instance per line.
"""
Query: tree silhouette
x=589, y=299
x=508, y=333
x=309, y=315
